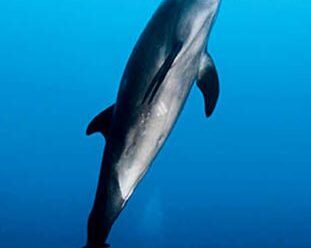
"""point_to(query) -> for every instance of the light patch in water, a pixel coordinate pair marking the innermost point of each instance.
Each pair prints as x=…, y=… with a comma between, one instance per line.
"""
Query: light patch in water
x=152, y=212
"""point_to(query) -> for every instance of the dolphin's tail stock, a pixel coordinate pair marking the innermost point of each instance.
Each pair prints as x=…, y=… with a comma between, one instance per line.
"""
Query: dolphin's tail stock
x=107, y=206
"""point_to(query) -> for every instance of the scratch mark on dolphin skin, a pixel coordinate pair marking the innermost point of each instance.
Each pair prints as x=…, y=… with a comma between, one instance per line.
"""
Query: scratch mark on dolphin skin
x=130, y=149
x=161, y=140
x=162, y=109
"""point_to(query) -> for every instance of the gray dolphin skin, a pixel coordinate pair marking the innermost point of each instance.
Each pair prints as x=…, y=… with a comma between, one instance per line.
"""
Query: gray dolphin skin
x=170, y=56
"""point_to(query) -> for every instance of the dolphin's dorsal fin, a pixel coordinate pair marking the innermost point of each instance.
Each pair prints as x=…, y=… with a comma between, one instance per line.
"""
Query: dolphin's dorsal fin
x=101, y=123
x=208, y=83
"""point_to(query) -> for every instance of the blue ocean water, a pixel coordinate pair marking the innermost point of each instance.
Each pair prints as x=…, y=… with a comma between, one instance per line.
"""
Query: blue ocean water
x=240, y=179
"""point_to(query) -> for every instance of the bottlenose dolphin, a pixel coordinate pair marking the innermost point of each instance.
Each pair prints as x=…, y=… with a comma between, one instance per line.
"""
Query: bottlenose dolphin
x=169, y=57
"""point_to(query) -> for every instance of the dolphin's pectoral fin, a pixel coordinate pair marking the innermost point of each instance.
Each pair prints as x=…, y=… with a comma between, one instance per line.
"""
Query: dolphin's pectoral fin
x=208, y=83
x=101, y=123
x=161, y=74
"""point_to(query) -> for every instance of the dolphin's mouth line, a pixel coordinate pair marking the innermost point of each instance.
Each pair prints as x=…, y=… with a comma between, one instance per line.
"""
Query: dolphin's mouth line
x=161, y=75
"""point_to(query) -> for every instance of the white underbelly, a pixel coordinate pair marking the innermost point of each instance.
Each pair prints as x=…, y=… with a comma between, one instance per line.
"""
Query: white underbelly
x=147, y=137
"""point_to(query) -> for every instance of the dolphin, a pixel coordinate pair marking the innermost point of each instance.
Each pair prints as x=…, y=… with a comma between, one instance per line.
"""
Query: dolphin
x=169, y=57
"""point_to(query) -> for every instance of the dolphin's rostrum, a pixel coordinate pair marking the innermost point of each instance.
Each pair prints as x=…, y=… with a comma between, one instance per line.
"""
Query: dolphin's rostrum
x=169, y=57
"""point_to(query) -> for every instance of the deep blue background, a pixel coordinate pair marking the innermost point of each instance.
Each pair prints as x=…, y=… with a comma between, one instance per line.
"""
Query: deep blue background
x=240, y=179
